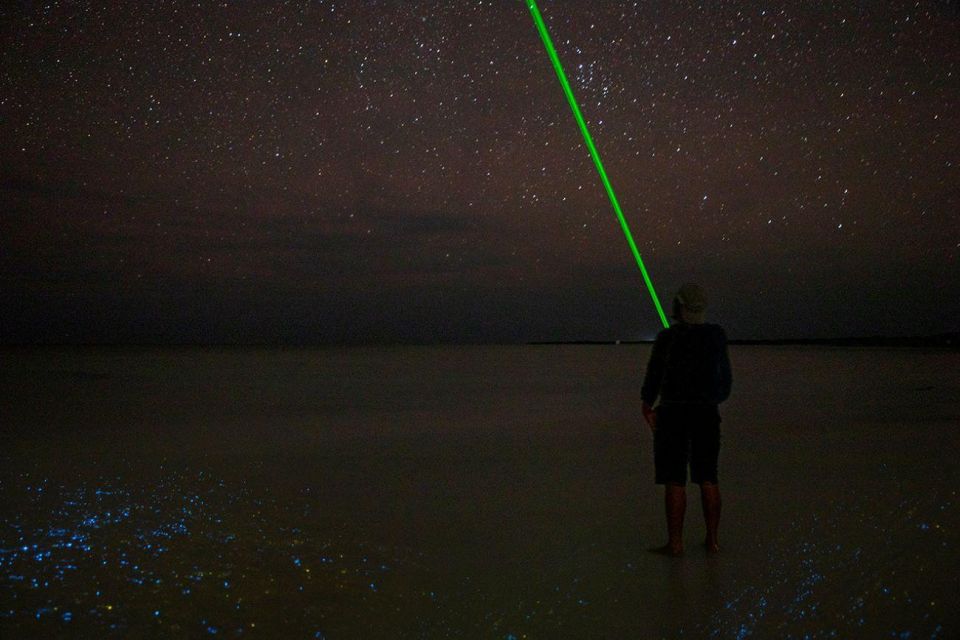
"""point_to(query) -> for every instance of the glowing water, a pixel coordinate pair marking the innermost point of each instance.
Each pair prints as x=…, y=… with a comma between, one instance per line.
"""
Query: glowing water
x=468, y=492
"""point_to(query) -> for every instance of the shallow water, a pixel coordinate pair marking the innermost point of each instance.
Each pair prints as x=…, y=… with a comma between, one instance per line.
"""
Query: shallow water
x=488, y=492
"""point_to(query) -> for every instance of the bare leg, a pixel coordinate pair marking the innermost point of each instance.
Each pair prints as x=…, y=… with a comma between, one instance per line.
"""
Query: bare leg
x=675, y=504
x=710, y=498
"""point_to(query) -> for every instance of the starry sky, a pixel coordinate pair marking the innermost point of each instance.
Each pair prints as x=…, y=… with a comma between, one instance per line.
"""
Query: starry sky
x=386, y=171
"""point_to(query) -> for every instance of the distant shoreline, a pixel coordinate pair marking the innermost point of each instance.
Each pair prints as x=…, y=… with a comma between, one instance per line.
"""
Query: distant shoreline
x=944, y=340
x=939, y=341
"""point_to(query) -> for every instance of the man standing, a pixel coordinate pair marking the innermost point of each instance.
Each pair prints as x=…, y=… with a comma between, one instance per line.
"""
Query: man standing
x=689, y=370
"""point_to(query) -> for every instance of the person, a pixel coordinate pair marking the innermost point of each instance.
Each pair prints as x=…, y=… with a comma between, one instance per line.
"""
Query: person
x=689, y=371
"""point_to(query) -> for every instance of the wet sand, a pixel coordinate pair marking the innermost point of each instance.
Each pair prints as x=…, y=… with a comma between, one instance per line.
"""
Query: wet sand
x=480, y=492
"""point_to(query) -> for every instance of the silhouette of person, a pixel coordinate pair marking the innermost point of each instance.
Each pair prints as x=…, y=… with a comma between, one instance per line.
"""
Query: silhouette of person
x=689, y=371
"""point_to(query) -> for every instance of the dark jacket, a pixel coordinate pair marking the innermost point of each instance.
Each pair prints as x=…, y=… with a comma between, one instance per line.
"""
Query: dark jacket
x=689, y=364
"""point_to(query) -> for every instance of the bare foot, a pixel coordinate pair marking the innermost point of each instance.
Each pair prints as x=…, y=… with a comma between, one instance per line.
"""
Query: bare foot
x=712, y=548
x=667, y=550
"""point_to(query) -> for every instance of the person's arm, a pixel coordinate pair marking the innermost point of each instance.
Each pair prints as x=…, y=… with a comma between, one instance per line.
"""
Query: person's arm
x=652, y=380
x=650, y=415
x=726, y=377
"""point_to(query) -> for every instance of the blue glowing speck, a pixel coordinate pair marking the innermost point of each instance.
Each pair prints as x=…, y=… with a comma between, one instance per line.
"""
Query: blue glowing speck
x=297, y=561
x=156, y=614
x=67, y=616
x=373, y=586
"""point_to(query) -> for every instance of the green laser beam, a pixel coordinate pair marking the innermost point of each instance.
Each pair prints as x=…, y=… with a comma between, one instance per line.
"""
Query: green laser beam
x=548, y=44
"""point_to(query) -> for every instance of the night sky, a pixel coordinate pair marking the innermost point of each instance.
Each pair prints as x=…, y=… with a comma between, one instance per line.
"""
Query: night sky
x=373, y=171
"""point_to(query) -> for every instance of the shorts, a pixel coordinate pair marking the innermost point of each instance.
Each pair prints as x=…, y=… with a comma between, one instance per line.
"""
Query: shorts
x=686, y=434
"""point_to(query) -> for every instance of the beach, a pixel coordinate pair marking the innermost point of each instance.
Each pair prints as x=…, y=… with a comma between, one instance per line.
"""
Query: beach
x=469, y=492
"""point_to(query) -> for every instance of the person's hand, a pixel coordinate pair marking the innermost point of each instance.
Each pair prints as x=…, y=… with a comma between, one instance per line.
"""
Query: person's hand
x=650, y=416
